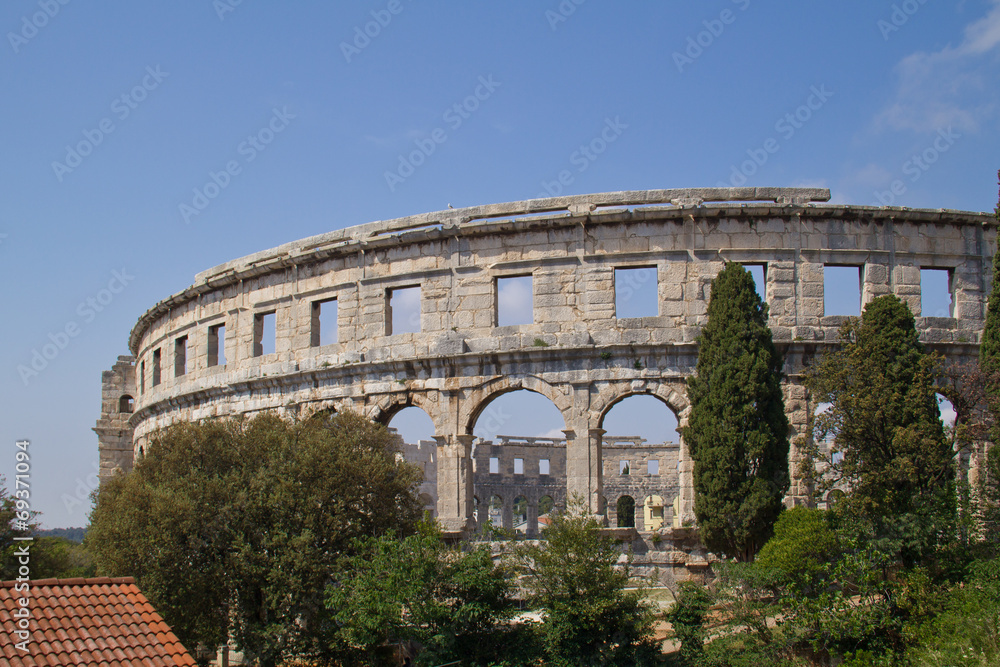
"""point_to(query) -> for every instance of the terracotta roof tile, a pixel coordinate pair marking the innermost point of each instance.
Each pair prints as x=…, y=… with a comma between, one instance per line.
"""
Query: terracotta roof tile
x=99, y=622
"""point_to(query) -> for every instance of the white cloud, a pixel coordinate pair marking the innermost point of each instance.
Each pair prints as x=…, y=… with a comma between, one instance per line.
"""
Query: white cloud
x=953, y=86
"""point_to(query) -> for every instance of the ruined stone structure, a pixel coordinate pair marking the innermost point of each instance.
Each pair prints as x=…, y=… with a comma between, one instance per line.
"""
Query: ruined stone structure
x=517, y=481
x=200, y=353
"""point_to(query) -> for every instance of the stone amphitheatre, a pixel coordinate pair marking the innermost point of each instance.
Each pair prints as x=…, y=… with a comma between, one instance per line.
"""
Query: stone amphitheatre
x=199, y=353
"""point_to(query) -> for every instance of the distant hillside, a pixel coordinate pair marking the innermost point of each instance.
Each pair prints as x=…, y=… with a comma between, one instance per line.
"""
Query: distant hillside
x=72, y=534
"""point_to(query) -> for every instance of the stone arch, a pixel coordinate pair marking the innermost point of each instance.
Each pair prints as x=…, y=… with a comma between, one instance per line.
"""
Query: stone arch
x=386, y=407
x=495, y=511
x=126, y=404
x=625, y=512
x=314, y=409
x=672, y=394
x=521, y=520
x=478, y=399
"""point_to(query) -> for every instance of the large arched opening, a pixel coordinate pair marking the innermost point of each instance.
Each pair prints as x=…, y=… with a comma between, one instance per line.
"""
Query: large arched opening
x=519, y=458
x=640, y=453
x=416, y=433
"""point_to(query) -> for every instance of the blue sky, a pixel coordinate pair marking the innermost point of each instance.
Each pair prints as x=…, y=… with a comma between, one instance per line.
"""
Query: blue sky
x=144, y=142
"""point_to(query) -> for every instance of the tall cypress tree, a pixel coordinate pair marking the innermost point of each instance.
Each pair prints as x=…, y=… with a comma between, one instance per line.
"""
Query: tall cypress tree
x=884, y=417
x=989, y=365
x=737, y=432
x=989, y=352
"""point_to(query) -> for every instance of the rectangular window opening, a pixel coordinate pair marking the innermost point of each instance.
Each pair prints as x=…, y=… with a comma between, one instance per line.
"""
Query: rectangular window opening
x=142, y=376
x=324, y=323
x=636, y=292
x=759, y=274
x=217, y=345
x=543, y=466
x=264, y=333
x=518, y=466
x=936, y=296
x=653, y=467
x=180, y=356
x=494, y=465
x=156, y=367
x=402, y=306
x=623, y=467
x=515, y=301
x=841, y=290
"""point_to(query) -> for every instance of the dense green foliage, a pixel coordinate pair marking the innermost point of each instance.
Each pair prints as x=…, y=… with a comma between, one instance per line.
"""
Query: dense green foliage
x=687, y=617
x=989, y=349
x=75, y=534
x=891, y=575
x=239, y=525
x=966, y=633
x=8, y=514
x=803, y=544
x=589, y=617
x=884, y=419
x=737, y=433
x=60, y=558
x=459, y=603
x=455, y=602
x=47, y=557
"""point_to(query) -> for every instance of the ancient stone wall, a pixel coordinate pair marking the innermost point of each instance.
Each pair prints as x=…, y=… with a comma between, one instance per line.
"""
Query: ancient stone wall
x=114, y=434
x=576, y=351
x=516, y=480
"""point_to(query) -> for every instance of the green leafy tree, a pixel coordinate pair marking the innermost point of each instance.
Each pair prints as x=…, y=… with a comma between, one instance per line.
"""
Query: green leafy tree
x=989, y=350
x=967, y=631
x=235, y=526
x=884, y=418
x=988, y=494
x=737, y=432
x=589, y=618
x=687, y=618
x=8, y=515
x=803, y=545
x=456, y=603
x=170, y=523
x=60, y=558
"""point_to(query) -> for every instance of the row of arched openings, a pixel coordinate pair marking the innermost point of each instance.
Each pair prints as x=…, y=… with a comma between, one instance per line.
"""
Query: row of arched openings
x=524, y=413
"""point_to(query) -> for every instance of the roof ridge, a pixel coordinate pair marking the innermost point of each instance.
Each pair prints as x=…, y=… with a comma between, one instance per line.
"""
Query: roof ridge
x=76, y=581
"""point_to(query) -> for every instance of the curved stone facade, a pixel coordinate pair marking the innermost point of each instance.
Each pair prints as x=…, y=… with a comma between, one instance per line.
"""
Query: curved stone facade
x=575, y=352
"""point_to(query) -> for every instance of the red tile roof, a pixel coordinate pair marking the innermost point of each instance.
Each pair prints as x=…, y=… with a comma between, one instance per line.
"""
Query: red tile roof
x=98, y=622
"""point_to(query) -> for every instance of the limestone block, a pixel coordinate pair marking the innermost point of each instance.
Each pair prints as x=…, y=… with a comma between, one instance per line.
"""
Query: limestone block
x=671, y=291
x=550, y=300
x=781, y=334
x=777, y=275
x=574, y=339
x=787, y=291
x=596, y=297
x=476, y=302
x=969, y=310
x=811, y=272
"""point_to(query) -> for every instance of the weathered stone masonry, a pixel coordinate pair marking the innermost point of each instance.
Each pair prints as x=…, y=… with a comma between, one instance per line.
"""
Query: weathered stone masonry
x=576, y=352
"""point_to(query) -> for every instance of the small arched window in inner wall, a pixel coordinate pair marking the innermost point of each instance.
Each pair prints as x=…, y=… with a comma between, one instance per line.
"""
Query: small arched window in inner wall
x=626, y=512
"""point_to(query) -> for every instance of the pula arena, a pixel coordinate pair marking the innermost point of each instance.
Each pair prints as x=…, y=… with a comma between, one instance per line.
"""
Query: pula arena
x=201, y=352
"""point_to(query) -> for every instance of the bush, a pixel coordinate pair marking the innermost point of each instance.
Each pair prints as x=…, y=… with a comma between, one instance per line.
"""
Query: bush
x=688, y=620
x=967, y=632
x=802, y=546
